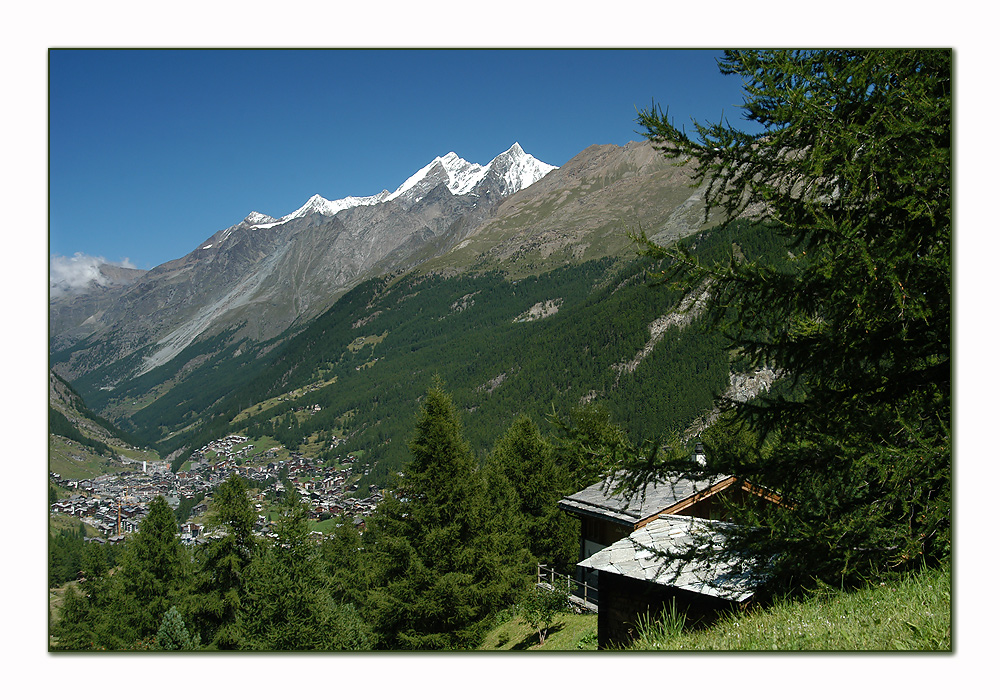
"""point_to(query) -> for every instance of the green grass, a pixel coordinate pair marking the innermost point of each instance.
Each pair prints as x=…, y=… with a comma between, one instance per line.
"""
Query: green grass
x=292, y=395
x=358, y=343
x=72, y=461
x=569, y=632
x=325, y=526
x=59, y=522
x=912, y=614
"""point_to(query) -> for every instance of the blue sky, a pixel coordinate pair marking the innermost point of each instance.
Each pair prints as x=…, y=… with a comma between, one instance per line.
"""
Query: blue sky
x=151, y=152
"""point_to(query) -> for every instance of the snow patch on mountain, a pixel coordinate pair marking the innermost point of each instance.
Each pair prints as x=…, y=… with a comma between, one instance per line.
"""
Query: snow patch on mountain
x=519, y=169
x=515, y=168
x=256, y=218
x=326, y=207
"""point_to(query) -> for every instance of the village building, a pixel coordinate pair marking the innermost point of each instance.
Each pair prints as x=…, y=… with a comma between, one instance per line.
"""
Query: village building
x=652, y=569
x=608, y=514
x=629, y=542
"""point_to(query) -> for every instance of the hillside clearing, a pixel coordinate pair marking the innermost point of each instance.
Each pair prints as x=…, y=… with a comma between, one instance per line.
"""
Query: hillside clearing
x=569, y=632
x=913, y=614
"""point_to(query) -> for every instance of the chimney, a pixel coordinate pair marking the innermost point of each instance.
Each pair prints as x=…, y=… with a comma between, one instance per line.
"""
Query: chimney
x=699, y=454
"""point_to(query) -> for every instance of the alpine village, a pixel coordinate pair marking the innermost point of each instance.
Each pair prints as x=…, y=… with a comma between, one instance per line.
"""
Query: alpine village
x=690, y=393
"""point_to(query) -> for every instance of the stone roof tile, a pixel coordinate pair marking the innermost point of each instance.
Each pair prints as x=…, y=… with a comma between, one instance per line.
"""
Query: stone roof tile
x=646, y=555
x=600, y=500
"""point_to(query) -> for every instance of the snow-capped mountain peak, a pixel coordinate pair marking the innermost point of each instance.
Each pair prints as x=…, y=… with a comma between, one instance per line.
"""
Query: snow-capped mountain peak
x=255, y=217
x=518, y=169
x=515, y=168
x=460, y=174
x=319, y=205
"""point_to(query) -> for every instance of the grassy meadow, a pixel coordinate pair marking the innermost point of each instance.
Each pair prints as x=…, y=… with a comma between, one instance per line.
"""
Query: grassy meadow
x=913, y=614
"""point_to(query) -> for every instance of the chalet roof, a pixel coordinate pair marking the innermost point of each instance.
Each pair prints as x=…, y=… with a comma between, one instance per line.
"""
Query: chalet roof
x=645, y=555
x=598, y=500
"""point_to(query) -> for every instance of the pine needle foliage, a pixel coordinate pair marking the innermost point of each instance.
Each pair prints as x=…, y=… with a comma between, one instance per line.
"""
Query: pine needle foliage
x=853, y=171
x=528, y=461
x=154, y=574
x=288, y=605
x=221, y=581
x=445, y=550
x=173, y=634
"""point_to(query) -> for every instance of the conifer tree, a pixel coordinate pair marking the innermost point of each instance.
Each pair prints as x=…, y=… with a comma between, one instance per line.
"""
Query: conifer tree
x=430, y=590
x=853, y=171
x=287, y=605
x=221, y=581
x=173, y=634
x=343, y=555
x=153, y=575
x=501, y=562
x=85, y=621
x=589, y=445
x=528, y=462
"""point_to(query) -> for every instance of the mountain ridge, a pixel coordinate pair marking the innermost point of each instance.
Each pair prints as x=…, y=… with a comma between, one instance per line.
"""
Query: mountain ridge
x=262, y=280
x=263, y=275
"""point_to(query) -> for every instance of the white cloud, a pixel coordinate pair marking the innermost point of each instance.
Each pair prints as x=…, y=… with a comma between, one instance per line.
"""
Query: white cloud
x=78, y=273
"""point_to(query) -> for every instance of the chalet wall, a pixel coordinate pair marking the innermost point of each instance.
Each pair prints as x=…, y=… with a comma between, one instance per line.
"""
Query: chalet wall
x=623, y=601
x=603, y=532
x=715, y=506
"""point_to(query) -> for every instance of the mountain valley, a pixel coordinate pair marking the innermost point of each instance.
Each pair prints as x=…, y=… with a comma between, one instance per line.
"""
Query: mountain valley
x=517, y=284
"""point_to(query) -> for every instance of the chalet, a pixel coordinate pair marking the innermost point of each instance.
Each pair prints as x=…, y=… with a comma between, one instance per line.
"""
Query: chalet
x=644, y=572
x=193, y=530
x=607, y=516
x=626, y=542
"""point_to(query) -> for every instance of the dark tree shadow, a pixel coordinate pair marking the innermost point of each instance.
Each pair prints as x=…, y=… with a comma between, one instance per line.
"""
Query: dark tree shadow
x=532, y=639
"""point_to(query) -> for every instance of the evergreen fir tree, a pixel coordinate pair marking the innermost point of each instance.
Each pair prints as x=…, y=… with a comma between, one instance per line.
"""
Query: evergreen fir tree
x=153, y=575
x=853, y=171
x=173, y=634
x=343, y=556
x=287, y=605
x=589, y=445
x=429, y=585
x=528, y=462
x=221, y=581
x=500, y=558
x=85, y=621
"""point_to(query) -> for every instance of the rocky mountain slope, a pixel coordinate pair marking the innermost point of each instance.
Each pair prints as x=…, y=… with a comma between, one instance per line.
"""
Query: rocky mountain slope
x=77, y=305
x=584, y=211
x=64, y=400
x=249, y=286
x=263, y=275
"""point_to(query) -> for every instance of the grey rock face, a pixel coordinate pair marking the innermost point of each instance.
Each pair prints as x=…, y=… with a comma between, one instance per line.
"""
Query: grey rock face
x=263, y=275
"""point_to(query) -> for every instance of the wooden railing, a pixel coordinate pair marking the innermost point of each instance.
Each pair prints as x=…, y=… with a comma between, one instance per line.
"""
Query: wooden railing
x=578, y=591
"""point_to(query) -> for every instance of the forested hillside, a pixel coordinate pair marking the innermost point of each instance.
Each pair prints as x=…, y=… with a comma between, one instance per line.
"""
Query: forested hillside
x=81, y=443
x=502, y=347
